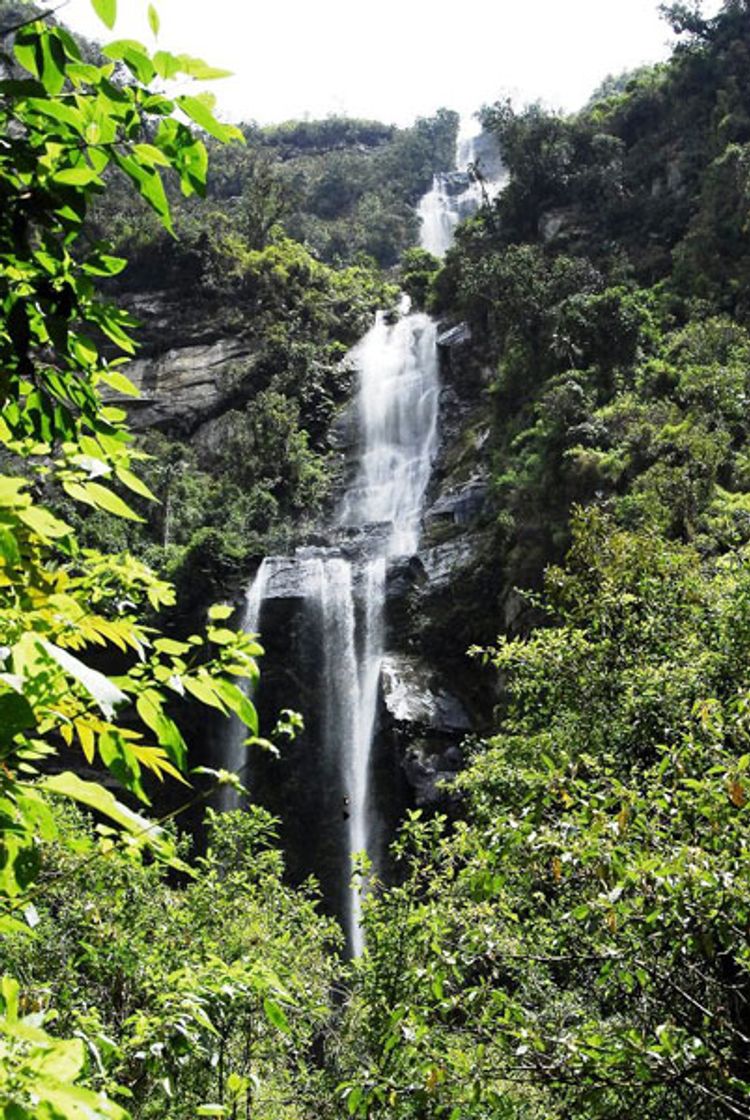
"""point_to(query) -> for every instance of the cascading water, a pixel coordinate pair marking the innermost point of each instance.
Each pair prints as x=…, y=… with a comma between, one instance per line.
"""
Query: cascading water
x=379, y=518
x=235, y=755
x=456, y=195
x=398, y=412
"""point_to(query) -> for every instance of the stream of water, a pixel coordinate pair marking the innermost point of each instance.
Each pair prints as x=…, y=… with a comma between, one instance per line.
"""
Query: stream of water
x=344, y=589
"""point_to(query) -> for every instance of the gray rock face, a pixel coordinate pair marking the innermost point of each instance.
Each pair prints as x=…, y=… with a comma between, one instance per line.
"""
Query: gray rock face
x=460, y=505
x=287, y=579
x=184, y=386
x=411, y=695
x=443, y=561
x=428, y=773
x=425, y=723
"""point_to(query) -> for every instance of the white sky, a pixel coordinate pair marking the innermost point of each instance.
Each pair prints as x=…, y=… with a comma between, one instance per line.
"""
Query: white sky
x=394, y=60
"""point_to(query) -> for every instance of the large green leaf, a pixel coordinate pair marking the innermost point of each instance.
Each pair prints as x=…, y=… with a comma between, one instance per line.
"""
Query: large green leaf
x=201, y=114
x=96, y=797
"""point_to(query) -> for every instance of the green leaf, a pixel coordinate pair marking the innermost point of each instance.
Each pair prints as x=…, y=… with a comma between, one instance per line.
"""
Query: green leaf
x=106, y=10
x=153, y=20
x=134, y=483
x=119, y=382
x=134, y=55
x=76, y=176
x=10, y=488
x=41, y=522
x=28, y=51
x=205, y=690
x=103, y=801
x=237, y=702
x=104, y=265
x=200, y=70
x=63, y=1061
x=58, y=111
x=166, y=730
x=94, y=494
x=219, y=612
x=199, y=112
x=275, y=1015
x=9, y=547
x=151, y=155
x=16, y=714
x=149, y=185
x=167, y=66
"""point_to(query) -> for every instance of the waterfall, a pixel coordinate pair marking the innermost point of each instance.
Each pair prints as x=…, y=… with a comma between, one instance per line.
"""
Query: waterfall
x=234, y=753
x=456, y=195
x=398, y=412
x=343, y=582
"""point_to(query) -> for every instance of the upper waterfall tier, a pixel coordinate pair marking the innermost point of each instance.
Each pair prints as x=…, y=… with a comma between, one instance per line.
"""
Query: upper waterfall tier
x=456, y=195
x=398, y=421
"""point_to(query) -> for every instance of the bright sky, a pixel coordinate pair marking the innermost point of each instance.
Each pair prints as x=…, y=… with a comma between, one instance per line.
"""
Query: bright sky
x=394, y=60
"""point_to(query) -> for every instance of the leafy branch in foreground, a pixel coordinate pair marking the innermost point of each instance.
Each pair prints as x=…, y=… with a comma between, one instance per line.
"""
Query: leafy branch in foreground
x=66, y=613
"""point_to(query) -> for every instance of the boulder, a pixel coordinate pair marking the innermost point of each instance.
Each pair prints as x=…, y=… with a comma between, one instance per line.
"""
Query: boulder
x=424, y=722
x=411, y=694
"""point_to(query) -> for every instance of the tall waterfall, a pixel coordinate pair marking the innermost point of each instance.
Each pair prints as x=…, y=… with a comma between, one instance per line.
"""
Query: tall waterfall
x=378, y=518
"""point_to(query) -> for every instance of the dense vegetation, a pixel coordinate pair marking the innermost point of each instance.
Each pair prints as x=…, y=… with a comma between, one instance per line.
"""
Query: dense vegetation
x=576, y=944
x=285, y=253
x=346, y=189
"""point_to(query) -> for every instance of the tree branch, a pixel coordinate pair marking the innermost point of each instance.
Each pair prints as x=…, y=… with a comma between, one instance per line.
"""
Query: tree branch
x=27, y=22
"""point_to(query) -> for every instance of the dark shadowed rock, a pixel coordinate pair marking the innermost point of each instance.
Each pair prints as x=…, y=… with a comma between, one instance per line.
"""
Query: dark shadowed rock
x=461, y=504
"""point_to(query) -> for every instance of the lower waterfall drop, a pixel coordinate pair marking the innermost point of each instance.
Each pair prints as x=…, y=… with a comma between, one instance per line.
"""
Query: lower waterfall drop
x=235, y=758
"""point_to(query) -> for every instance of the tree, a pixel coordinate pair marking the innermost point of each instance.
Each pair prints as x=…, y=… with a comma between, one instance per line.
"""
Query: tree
x=67, y=125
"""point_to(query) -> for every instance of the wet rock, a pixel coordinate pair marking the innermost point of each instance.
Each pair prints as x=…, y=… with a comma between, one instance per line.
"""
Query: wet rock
x=455, y=336
x=404, y=573
x=411, y=695
x=443, y=561
x=287, y=579
x=429, y=775
x=424, y=723
x=461, y=504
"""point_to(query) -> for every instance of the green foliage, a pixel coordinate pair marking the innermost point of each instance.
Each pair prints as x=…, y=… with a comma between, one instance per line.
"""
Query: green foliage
x=417, y=269
x=64, y=609
x=346, y=189
x=576, y=946
x=177, y=997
